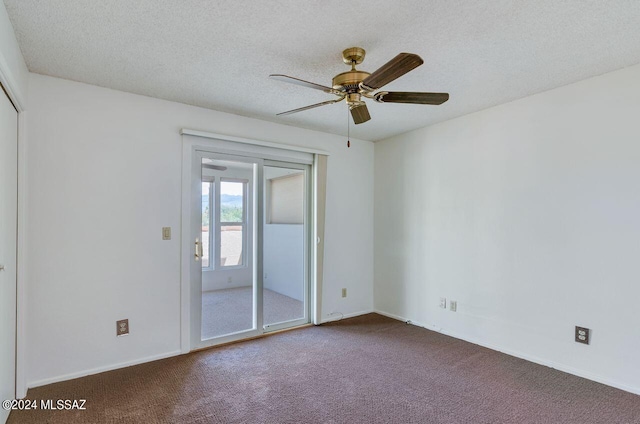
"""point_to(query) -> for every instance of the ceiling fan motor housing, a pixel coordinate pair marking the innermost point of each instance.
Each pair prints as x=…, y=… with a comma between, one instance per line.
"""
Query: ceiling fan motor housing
x=349, y=81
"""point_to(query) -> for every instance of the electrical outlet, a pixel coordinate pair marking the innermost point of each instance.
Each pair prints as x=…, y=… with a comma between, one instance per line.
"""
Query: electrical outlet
x=122, y=327
x=453, y=305
x=443, y=302
x=344, y=292
x=229, y=280
x=166, y=233
x=583, y=335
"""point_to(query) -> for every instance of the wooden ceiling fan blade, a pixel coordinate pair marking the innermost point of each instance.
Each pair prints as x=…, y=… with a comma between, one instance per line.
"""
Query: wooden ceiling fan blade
x=289, y=112
x=360, y=113
x=303, y=83
x=393, y=69
x=411, y=97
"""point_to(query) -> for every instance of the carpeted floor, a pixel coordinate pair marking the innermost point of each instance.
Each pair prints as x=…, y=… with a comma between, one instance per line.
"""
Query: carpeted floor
x=368, y=369
x=230, y=310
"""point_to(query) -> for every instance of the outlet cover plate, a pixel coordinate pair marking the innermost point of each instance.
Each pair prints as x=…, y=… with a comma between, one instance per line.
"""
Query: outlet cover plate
x=122, y=327
x=583, y=335
x=443, y=302
x=166, y=233
x=453, y=305
x=344, y=292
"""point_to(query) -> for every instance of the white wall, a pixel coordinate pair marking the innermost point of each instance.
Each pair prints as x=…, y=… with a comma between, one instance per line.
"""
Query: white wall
x=104, y=177
x=527, y=214
x=218, y=279
x=284, y=259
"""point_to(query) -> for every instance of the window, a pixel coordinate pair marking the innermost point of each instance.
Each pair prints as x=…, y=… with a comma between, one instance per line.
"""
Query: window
x=233, y=222
x=229, y=224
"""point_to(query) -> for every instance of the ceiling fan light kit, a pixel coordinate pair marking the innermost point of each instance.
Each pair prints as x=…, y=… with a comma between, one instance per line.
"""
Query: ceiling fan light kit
x=353, y=85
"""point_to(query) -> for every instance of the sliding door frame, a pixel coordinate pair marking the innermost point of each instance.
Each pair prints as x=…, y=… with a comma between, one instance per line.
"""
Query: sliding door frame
x=224, y=146
x=308, y=237
x=195, y=267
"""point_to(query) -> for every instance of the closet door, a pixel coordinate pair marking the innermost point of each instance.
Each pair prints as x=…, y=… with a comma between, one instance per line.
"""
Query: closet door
x=8, y=240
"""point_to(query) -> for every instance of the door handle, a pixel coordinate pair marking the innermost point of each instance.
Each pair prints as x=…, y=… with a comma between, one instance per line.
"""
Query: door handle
x=198, y=253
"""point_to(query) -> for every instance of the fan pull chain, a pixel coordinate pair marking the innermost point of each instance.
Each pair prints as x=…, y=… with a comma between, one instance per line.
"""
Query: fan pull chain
x=353, y=68
x=348, y=129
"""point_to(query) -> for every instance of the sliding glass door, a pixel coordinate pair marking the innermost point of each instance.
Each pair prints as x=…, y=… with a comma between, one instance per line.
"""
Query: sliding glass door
x=250, y=232
x=285, y=248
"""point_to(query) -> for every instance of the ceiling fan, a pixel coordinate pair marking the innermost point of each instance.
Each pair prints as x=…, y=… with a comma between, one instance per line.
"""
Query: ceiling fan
x=353, y=85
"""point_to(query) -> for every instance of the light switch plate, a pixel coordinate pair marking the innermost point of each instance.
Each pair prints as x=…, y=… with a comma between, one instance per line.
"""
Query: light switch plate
x=166, y=233
x=443, y=302
x=453, y=305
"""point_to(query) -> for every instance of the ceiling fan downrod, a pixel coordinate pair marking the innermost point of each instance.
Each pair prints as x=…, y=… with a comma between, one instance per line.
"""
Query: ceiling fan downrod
x=348, y=130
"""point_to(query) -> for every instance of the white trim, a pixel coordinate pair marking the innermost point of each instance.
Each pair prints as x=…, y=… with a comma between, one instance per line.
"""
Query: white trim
x=212, y=230
x=19, y=101
x=317, y=237
x=10, y=85
x=399, y=318
x=21, y=289
x=270, y=328
x=339, y=316
x=518, y=354
x=98, y=370
x=243, y=140
x=185, y=244
x=316, y=314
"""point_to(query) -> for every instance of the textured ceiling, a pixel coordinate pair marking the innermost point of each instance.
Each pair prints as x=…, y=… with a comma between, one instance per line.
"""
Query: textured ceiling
x=218, y=54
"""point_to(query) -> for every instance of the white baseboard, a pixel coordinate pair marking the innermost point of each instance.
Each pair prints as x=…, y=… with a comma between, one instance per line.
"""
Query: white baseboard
x=337, y=316
x=399, y=318
x=521, y=355
x=98, y=370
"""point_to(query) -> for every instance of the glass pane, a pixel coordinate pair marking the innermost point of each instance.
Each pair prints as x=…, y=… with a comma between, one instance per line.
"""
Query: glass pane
x=231, y=201
x=285, y=201
x=284, y=245
x=206, y=213
x=231, y=245
x=228, y=285
x=226, y=311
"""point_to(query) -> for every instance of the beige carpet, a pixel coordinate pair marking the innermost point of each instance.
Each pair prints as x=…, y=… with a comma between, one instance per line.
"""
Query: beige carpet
x=231, y=310
x=369, y=369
